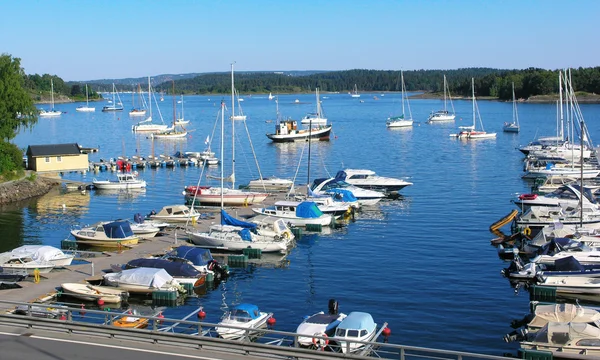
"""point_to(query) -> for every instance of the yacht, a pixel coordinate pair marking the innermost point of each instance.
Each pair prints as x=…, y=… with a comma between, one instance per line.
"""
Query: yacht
x=368, y=179
x=365, y=197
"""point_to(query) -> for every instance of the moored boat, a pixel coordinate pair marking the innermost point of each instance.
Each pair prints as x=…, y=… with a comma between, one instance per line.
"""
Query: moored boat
x=245, y=316
x=89, y=292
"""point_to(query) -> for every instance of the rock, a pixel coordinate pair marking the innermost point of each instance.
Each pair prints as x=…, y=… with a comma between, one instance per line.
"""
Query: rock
x=22, y=189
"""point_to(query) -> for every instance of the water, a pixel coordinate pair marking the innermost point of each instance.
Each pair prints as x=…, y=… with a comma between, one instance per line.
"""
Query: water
x=423, y=263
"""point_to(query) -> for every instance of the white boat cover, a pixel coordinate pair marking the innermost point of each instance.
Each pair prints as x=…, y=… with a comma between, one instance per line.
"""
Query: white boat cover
x=150, y=277
x=38, y=252
x=558, y=334
x=563, y=313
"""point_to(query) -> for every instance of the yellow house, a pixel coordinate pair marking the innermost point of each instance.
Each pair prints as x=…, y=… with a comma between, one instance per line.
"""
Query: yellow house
x=56, y=157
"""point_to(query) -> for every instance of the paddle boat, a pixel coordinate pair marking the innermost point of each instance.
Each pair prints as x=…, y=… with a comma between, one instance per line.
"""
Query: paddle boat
x=245, y=318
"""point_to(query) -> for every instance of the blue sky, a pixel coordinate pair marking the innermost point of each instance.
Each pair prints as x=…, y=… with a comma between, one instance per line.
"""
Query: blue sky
x=85, y=40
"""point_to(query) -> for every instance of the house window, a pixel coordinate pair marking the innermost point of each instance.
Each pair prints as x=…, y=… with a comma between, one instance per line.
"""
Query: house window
x=59, y=159
x=47, y=159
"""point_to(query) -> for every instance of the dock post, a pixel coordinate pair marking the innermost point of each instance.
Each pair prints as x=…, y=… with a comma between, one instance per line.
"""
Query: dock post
x=175, y=236
x=92, y=268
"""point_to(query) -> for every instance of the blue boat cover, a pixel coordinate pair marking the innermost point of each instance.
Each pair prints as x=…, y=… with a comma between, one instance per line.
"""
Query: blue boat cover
x=341, y=175
x=118, y=229
x=245, y=234
x=358, y=321
x=568, y=263
x=198, y=256
x=308, y=209
x=246, y=310
x=176, y=269
x=227, y=219
x=342, y=195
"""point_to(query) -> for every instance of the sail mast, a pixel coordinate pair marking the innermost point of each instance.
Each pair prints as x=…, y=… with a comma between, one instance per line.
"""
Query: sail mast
x=232, y=129
x=445, y=94
x=402, y=84
x=149, y=98
x=222, y=148
x=174, y=106
x=473, y=94
x=52, y=93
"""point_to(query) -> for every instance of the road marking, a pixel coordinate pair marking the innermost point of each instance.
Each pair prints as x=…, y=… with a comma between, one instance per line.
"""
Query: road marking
x=111, y=346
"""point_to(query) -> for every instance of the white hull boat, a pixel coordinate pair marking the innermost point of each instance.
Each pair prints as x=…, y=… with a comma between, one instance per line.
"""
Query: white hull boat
x=44, y=253
x=142, y=280
x=470, y=132
x=365, y=197
x=357, y=326
x=443, y=115
x=402, y=120
x=124, y=181
x=368, y=179
x=241, y=321
x=296, y=213
x=235, y=197
x=16, y=264
x=271, y=183
x=175, y=213
x=88, y=292
x=316, y=118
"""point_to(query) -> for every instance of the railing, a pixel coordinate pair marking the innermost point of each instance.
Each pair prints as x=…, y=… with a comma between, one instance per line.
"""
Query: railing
x=201, y=335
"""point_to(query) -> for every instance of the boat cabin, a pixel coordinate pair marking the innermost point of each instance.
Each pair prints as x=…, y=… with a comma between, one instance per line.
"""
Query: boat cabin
x=243, y=313
x=286, y=127
x=56, y=158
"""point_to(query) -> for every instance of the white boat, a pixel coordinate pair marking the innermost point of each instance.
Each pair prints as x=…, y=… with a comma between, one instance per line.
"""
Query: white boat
x=402, y=120
x=106, y=234
x=296, y=213
x=355, y=93
x=470, y=132
x=147, y=125
x=182, y=272
x=142, y=280
x=44, y=253
x=87, y=107
x=175, y=213
x=12, y=263
x=318, y=117
x=288, y=131
x=115, y=106
x=272, y=183
x=176, y=131
x=443, y=115
x=244, y=318
x=124, y=181
x=539, y=216
x=87, y=292
x=566, y=195
x=271, y=97
x=181, y=120
x=319, y=324
x=368, y=179
x=138, y=111
x=144, y=230
x=561, y=170
x=513, y=126
x=357, y=326
x=566, y=340
x=365, y=197
x=52, y=112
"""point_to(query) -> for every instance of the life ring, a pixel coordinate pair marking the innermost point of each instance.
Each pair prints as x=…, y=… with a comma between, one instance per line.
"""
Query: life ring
x=320, y=342
x=527, y=231
x=286, y=235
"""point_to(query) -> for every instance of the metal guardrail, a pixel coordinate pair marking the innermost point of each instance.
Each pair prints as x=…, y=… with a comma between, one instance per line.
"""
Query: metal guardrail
x=200, y=335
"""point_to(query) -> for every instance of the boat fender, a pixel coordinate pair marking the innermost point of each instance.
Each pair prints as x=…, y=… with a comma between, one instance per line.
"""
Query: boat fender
x=528, y=196
x=527, y=231
x=320, y=342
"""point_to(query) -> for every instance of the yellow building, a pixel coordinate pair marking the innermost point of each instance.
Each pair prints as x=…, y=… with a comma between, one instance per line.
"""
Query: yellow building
x=56, y=158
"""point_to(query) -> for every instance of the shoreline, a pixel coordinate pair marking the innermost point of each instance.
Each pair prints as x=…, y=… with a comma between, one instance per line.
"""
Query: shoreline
x=537, y=99
x=25, y=188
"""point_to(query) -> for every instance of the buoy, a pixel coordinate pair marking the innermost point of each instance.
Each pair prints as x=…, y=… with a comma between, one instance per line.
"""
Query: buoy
x=82, y=311
x=62, y=317
x=271, y=321
x=100, y=302
x=201, y=314
x=386, y=332
x=160, y=316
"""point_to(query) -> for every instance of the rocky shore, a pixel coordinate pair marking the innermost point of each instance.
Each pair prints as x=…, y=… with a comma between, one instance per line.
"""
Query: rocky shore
x=26, y=188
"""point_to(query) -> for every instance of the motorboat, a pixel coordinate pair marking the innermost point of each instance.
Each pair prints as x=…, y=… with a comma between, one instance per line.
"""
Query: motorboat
x=245, y=318
x=175, y=213
x=11, y=276
x=145, y=230
x=296, y=213
x=142, y=280
x=357, y=326
x=272, y=183
x=536, y=217
x=182, y=272
x=140, y=219
x=109, y=235
x=272, y=226
x=566, y=195
x=566, y=266
x=368, y=179
x=329, y=206
x=199, y=258
x=124, y=181
x=288, y=131
x=88, y=292
x=565, y=340
x=44, y=253
x=319, y=324
x=365, y=197
x=534, y=170
x=12, y=263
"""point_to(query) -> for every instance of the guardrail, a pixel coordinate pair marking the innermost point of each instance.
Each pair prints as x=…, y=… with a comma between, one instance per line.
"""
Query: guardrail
x=201, y=335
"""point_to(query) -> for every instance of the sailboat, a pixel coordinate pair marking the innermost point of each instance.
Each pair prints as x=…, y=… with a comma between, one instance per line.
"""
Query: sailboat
x=470, y=132
x=52, y=112
x=139, y=111
x=173, y=132
x=147, y=125
x=181, y=120
x=87, y=107
x=355, y=93
x=443, y=115
x=316, y=118
x=222, y=195
x=401, y=121
x=115, y=106
x=271, y=97
x=514, y=125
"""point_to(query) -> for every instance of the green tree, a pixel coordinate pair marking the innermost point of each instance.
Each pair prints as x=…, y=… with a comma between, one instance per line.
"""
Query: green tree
x=16, y=106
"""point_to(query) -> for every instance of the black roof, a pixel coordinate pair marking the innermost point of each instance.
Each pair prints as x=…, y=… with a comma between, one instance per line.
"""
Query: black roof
x=54, y=149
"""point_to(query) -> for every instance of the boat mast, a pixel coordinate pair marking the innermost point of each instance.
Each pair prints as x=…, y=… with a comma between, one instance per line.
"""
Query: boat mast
x=473, y=94
x=222, y=147
x=232, y=129
x=149, y=99
x=87, y=99
x=174, y=106
x=515, y=113
x=560, y=97
x=444, y=93
x=52, y=93
x=309, y=136
x=402, y=84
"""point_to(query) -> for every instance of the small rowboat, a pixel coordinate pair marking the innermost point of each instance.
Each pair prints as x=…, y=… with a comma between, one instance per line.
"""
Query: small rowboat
x=131, y=322
x=94, y=293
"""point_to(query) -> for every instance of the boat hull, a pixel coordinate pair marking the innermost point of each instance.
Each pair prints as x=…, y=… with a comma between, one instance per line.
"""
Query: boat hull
x=321, y=134
x=234, y=243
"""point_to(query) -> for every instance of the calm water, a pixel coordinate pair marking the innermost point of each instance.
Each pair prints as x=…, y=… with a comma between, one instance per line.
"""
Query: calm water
x=423, y=263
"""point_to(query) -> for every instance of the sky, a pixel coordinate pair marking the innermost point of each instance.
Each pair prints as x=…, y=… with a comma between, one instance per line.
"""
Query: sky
x=89, y=40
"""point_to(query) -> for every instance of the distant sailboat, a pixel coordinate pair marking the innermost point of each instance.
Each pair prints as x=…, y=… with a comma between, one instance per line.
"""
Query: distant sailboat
x=115, y=106
x=141, y=111
x=443, y=115
x=271, y=97
x=470, y=132
x=173, y=132
x=355, y=93
x=514, y=125
x=52, y=112
x=87, y=107
x=147, y=125
x=401, y=121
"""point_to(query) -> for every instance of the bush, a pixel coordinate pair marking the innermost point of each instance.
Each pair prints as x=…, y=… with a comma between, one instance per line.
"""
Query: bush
x=11, y=159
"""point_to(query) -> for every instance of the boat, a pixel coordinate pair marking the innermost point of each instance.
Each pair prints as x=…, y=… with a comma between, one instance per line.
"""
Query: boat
x=176, y=131
x=175, y=213
x=536, y=217
x=565, y=340
x=115, y=106
x=319, y=324
x=365, y=197
x=146, y=229
x=52, y=112
x=355, y=93
x=316, y=118
x=357, y=326
x=566, y=195
x=183, y=272
x=142, y=280
x=124, y=181
x=368, y=179
x=181, y=120
x=138, y=111
x=10, y=277
x=87, y=107
x=401, y=121
x=245, y=318
x=87, y=292
x=272, y=183
x=147, y=125
x=513, y=126
x=558, y=169
x=108, y=235
x=44, y=253
x=296, y=213
x=286, y=130
x=443, y=115
x=131, y=321
x=200, y=258
x=564, y=266
x=470, y=132
x=271, y=97
x=14, y=263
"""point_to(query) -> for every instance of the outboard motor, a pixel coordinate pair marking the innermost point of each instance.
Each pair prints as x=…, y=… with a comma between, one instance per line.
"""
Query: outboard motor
x=220, y=271
x=333, y=307
x=138, y=218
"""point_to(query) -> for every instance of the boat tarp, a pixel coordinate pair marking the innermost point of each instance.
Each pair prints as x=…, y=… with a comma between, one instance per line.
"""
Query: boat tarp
x=559, y=333
x=198, y=256
x=227, y=219
x=245, y=234
x=342, y=195
x=563, y=313
x=176, y=269
x=150, y=277
x=358, y=321
x=245, y=310
x=568, y=263
x=38, y=252
x=308, y=209
x=118, y=229
x=341, y=175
